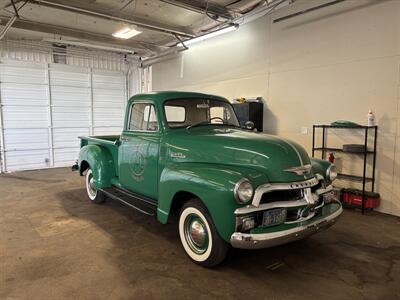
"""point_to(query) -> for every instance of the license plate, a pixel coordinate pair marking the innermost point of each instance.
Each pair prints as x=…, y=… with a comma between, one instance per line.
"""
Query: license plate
x=274, y=217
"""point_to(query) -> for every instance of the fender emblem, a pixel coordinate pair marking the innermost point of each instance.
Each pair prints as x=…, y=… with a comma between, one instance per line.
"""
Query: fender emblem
x=177, y=155
x=302, y=170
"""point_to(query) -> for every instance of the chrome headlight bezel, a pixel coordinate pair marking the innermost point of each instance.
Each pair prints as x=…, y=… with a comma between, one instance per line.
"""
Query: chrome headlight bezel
x=243, y=185
x=331, y=173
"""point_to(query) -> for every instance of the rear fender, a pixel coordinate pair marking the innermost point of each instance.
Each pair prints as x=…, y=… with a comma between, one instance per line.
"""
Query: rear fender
x=100, y=161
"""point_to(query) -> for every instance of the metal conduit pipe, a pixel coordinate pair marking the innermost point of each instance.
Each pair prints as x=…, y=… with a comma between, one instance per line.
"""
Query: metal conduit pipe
x=110, y=17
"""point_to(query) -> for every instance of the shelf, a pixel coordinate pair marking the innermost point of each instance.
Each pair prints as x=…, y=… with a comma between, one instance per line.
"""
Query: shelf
x=353, y=177
x=368, y=132
x=341, y=150
x=346, y=127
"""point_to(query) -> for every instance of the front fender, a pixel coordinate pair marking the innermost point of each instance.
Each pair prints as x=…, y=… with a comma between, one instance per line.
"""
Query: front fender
x=319, y=166
x=101, y=163
x=213, y=184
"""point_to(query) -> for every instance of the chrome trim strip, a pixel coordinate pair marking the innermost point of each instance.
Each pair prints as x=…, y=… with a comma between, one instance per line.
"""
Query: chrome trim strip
x=269, y=187
x=133, y=206
x=162, y=211
x=302, y=219
x=278, y=204
x=321, y=191
x=294, y=148
x=265, y=240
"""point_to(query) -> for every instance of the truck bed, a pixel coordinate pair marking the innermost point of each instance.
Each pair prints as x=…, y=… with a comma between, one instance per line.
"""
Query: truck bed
x=101, y=139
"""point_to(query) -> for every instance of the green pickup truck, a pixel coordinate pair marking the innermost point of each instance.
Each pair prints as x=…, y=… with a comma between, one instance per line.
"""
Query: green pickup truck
x=184, y=155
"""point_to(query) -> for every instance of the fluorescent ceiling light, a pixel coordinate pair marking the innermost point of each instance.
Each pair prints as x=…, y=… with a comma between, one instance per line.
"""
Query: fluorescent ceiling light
x=126, y=33
x=209, y=35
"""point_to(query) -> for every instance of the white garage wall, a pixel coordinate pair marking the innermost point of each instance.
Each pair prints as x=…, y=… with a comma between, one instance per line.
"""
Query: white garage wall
x=330, y=64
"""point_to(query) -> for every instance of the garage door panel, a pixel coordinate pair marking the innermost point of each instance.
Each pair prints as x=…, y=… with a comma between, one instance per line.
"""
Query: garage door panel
x=25, y=139
x=32, y=75
x=73, y=80
x=107, y=130
x=70, y=96
x=108, y=102
x=38, y=135
x=65, y=157
x=62, y=75
x=104, y=94
x=21, y=117
x=27, y=159
x=68, y=137
x=71, y=117
x=112, y=77
x=24, y=94
x=106, y=117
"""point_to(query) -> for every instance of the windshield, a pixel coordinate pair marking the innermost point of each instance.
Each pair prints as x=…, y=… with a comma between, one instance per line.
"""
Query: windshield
x=193, y=112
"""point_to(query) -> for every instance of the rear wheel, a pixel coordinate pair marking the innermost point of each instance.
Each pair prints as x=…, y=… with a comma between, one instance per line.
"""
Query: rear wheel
x=94, y=195
x=199, y=236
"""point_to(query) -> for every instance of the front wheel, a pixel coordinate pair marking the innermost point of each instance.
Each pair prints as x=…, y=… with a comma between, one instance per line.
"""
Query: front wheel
x=93, y=194
x=199, y=236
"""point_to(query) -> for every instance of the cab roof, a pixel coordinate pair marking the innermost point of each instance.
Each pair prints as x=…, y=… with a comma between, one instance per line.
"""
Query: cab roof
x=160, y=97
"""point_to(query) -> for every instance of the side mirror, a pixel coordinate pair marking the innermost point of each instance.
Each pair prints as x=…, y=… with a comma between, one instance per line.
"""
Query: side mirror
x=249, y=125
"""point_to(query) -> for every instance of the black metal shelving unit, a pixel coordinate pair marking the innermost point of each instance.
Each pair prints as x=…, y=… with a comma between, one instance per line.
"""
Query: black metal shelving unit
x=364, y=179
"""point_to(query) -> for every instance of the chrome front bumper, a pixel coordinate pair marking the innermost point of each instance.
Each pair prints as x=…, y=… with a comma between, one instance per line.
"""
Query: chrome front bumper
x=270, y=239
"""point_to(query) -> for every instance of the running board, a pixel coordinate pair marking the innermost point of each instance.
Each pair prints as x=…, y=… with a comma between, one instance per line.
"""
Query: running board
x=138, y=202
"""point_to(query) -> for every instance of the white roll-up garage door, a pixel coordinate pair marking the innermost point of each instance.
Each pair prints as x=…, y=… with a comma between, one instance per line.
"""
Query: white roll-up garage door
x=45, y=107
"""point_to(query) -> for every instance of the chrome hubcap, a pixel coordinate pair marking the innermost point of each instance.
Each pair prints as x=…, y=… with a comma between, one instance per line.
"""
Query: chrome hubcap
x=196, y=234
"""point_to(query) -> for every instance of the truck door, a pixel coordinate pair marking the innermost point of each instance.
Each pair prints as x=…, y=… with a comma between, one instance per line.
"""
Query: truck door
x=139, y=150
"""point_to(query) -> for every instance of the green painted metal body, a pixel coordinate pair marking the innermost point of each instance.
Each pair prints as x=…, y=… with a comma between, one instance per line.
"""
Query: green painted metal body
x=204, y=161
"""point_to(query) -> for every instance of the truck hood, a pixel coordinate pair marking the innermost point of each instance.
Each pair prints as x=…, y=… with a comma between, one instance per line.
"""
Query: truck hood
x=268, y=154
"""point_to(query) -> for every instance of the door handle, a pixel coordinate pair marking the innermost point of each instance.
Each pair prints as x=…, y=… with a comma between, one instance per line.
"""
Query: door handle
x=123, y=139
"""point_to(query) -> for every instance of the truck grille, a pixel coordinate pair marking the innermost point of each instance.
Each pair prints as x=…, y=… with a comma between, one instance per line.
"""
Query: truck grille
x=283, y=195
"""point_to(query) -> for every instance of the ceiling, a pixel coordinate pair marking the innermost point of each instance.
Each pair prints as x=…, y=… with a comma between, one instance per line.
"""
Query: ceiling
x=163, y=23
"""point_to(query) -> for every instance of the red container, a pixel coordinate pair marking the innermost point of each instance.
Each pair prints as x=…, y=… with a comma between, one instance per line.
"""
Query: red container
x=353, y=197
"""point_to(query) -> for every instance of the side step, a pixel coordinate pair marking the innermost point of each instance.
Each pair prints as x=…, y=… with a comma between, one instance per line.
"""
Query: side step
x=138, y=202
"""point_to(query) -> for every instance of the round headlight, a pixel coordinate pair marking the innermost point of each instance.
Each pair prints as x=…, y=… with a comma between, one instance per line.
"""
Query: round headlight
x=243, y=191
x=331, y=173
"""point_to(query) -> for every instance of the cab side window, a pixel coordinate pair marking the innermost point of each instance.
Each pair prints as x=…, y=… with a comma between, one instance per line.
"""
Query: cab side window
x=143, y=118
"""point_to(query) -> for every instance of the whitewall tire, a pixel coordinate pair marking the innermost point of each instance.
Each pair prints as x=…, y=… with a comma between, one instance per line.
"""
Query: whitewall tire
x=93, y=194
x=199, y=236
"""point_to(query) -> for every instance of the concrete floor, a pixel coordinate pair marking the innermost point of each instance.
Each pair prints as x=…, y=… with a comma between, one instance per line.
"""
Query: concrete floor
x=55, y=244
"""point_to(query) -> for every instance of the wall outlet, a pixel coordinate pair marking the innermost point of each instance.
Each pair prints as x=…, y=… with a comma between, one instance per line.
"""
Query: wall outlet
x=304, y=130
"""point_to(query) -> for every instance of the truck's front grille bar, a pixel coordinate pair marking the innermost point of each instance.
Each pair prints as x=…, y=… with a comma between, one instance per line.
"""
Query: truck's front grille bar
x=269, y=187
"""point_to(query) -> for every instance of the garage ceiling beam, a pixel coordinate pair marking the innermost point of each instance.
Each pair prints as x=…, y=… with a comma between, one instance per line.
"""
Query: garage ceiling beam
x=8, y=4
x=137, y=46
x=11, y=21
x=98, y=11
x=203, y=7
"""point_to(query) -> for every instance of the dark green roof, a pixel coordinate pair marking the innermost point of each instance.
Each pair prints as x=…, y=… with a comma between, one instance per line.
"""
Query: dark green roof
x=166, y=95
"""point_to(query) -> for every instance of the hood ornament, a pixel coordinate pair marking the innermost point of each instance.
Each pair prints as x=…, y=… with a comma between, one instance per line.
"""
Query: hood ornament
x=301, y=170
